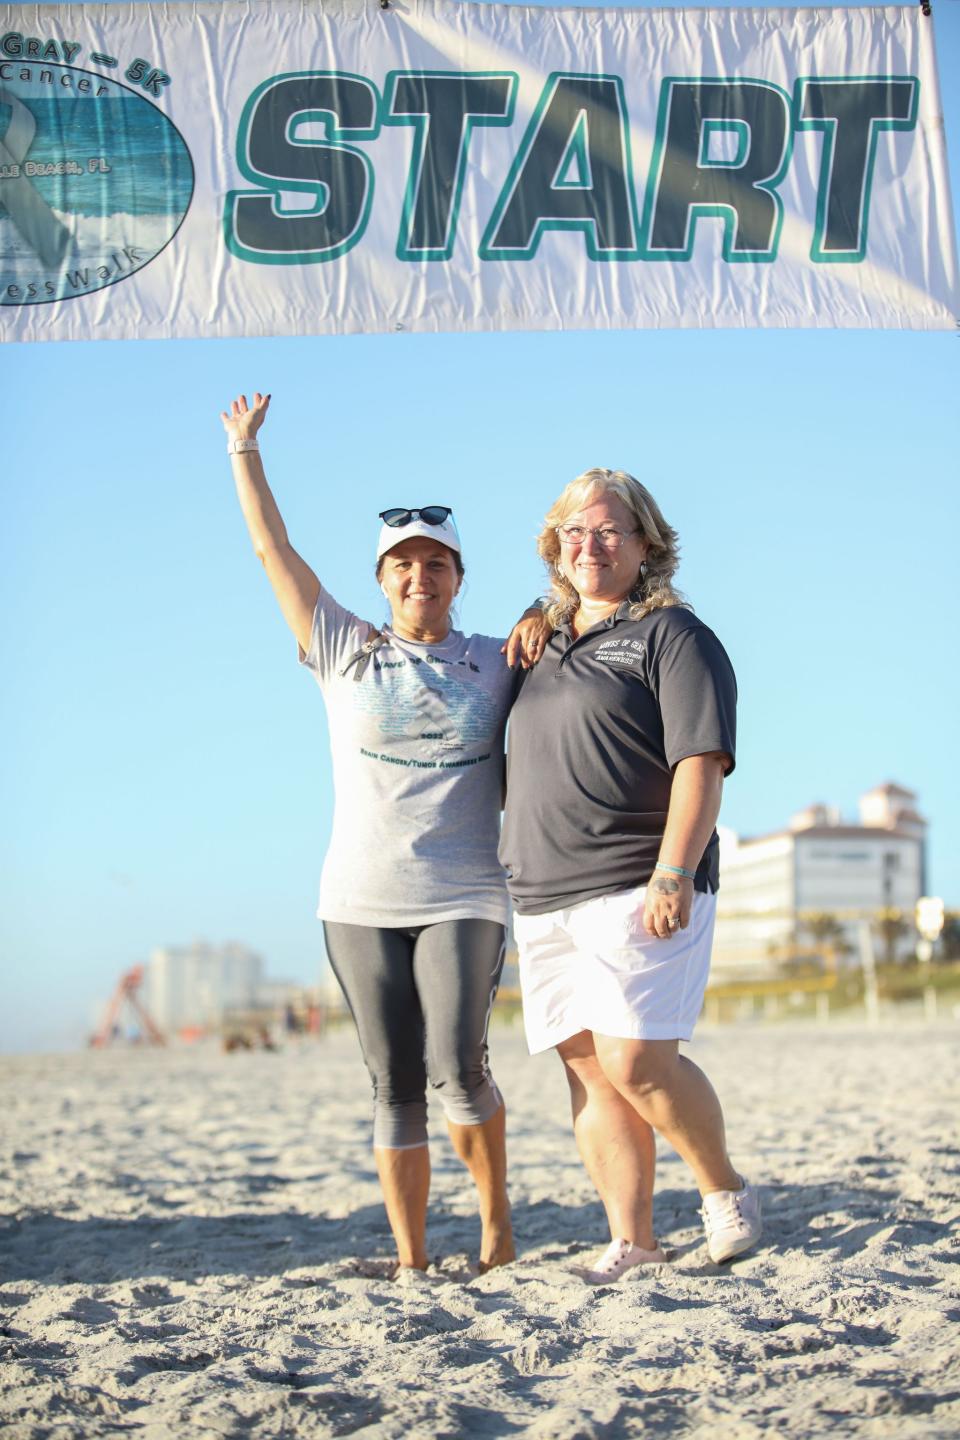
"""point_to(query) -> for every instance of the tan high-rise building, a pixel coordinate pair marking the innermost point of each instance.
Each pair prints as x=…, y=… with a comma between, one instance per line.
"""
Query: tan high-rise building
x=820, y=865
x=194, y=985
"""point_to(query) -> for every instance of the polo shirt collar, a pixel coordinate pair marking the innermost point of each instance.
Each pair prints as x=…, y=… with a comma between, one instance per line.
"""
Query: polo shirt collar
x=622, y=612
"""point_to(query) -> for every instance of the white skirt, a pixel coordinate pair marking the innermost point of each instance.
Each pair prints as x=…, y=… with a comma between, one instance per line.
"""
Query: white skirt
x=594, y=967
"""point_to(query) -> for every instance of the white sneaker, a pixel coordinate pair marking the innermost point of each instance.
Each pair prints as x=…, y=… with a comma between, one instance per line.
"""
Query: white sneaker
x=731, y=1221
x=619, y=1257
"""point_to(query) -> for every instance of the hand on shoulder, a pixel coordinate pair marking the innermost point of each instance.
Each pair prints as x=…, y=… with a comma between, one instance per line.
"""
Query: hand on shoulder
x=528, y=639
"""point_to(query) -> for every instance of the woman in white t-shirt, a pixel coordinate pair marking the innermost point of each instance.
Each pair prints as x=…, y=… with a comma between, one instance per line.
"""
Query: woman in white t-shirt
x=412, y=896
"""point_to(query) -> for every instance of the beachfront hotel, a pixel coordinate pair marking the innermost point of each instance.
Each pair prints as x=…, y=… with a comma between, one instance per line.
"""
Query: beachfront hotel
x=196, y=985
x=813, y=886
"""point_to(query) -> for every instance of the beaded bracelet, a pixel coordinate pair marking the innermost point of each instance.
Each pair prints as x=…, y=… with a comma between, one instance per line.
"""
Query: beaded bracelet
x=676, y=870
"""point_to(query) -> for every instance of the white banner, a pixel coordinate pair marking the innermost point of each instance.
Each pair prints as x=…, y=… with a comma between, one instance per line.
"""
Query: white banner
x=281, y=169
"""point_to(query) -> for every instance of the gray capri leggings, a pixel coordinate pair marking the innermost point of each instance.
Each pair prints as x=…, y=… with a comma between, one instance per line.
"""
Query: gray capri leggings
x=421, y=998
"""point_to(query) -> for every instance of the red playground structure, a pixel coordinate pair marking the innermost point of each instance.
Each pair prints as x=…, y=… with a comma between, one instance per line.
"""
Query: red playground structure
x=126, y=992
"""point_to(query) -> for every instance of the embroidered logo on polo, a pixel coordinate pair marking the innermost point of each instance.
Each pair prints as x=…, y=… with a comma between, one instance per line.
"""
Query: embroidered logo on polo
x=621, y=653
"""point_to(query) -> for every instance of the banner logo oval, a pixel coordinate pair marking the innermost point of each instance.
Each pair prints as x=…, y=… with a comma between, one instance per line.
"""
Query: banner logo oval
x=94, y=182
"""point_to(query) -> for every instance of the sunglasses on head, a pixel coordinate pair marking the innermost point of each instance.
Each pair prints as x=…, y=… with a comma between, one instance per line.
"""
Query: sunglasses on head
x=430, y=515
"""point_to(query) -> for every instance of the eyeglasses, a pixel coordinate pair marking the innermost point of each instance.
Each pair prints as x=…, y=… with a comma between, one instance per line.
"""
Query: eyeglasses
x=430, y=515
x=607, y=535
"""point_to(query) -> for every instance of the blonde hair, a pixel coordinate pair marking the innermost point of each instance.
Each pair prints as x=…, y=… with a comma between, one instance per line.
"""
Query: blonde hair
x=654, y=588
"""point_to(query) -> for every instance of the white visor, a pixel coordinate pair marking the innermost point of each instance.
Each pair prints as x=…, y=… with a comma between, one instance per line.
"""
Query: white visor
x=445, y=534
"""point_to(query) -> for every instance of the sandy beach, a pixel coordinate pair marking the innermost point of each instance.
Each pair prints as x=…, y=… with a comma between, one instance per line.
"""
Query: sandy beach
x=192, y=1244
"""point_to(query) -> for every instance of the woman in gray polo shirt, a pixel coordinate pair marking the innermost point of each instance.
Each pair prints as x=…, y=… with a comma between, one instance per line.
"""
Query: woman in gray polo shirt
x=412, y=896
x=619, y=743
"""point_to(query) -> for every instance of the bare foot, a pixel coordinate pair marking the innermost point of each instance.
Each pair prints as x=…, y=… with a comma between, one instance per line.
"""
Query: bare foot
x=411, y=1276
x=496, y=1247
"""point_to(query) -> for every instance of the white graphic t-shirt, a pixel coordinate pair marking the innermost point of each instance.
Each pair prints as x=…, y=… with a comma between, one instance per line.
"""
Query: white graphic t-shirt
x=416, y=733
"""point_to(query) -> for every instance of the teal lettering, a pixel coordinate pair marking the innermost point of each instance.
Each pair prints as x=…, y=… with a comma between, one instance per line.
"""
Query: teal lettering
x=573, y=172
x=722, y=147
x=688, y=183
x=275, y=153
x=852, y=114
x=443, y=108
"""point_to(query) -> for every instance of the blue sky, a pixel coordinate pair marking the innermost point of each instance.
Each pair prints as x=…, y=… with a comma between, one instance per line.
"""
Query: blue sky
x=165, y=772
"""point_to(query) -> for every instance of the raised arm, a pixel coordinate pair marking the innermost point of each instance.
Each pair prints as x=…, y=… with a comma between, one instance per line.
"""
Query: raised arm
x=294, y=583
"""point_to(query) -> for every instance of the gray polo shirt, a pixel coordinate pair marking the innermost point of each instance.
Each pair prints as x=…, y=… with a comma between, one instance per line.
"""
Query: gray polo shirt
x=599, y=726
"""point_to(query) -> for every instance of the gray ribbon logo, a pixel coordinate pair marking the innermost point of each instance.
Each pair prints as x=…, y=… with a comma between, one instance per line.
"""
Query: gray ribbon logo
x=44, y=233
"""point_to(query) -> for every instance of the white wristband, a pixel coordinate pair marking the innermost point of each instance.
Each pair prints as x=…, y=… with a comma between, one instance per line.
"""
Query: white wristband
x=240, y=447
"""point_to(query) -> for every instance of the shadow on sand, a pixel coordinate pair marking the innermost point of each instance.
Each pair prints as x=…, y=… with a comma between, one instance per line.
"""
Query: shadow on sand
x=820, y=1220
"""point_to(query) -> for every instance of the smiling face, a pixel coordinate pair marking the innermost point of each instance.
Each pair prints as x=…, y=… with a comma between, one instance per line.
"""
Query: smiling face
x=420, y=579
x=601, y=576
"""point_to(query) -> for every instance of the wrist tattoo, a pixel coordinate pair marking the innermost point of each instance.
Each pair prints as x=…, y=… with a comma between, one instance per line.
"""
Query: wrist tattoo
x=665, y=887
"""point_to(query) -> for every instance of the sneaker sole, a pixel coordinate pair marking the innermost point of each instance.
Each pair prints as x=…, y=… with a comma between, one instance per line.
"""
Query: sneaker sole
x=739, y=1248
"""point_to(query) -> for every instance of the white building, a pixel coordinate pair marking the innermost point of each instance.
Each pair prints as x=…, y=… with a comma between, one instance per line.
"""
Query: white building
x=771, y=886
x=195, y=984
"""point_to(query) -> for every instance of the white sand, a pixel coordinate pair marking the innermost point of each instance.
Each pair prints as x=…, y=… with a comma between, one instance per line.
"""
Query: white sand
x=190, y=1244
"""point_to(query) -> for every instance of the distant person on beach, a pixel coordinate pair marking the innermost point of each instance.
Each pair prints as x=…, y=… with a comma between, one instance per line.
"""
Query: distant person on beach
x=412, y=896
x=618, y=747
